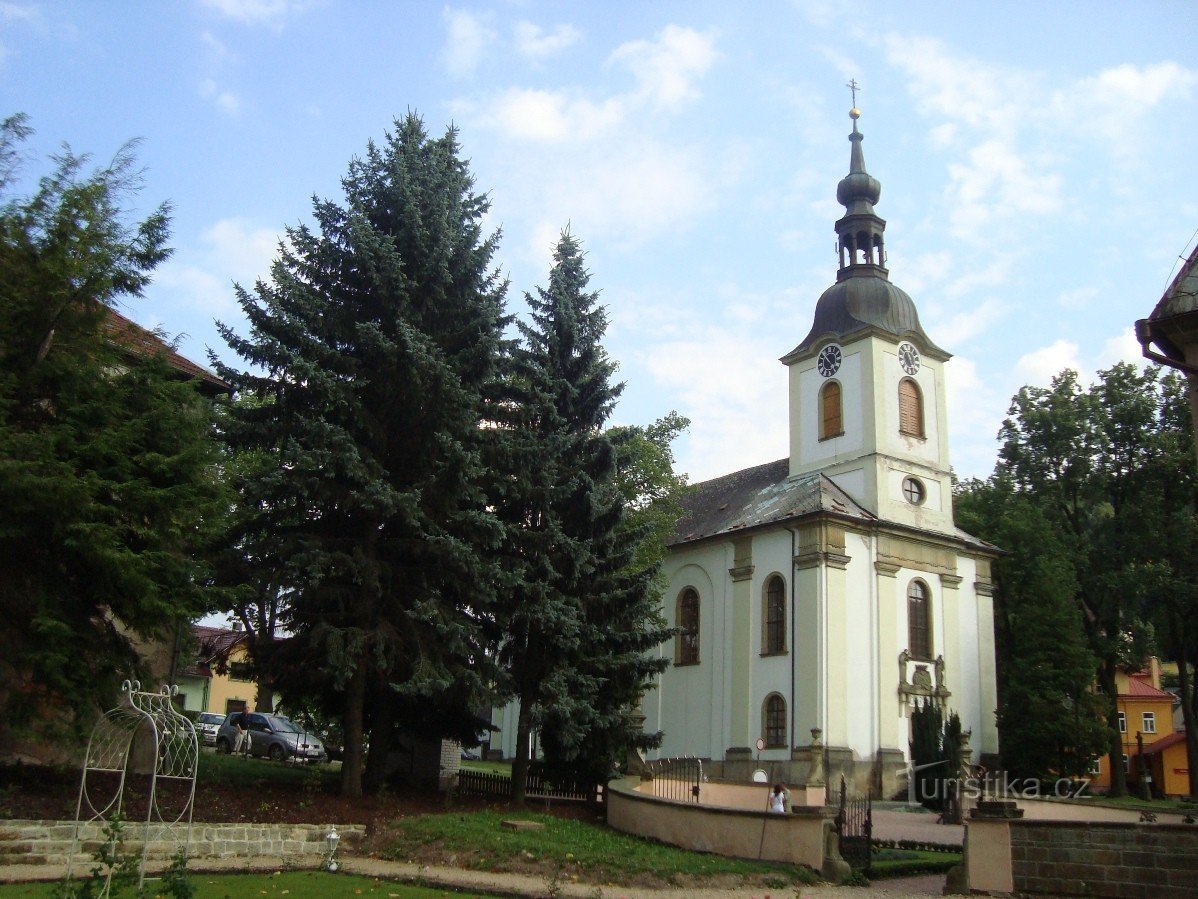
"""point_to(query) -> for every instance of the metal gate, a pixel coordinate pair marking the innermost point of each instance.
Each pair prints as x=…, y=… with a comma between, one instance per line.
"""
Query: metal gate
x=855, y=828
x=678, y=779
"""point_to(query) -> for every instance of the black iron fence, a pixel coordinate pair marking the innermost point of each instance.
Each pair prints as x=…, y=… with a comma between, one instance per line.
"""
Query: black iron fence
x=537, y=784
x=855, y=828
x=678, y=779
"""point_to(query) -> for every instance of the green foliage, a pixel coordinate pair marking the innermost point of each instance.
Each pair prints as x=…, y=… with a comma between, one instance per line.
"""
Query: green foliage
x=1101, y=477
x=579, y=613
x=378, y=335
x=1049, y=717
x=108, y=478
x=279, y=884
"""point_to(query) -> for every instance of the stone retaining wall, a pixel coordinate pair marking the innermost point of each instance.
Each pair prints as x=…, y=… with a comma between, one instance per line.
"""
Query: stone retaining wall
x=1107, y=859
x=49, y=842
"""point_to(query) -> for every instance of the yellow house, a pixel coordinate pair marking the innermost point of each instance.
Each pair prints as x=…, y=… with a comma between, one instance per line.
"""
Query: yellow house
x=1145, y=714
x=221, y=680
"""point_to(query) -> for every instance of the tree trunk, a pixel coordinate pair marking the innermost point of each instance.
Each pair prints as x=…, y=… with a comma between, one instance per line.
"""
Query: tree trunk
x=1106, y=680
x=382, y=733
x=355, y=705
x=520, y=762
x=1189, y=717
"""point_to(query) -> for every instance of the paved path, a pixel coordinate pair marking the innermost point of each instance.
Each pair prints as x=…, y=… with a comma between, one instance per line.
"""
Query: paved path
x=515, y=884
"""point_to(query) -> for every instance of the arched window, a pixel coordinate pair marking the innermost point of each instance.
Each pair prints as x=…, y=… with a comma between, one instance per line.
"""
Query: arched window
x=910, y=409
x=831, y=413
x=919, y=621
x=687, y=619
x=774, y=617
x=773, y=724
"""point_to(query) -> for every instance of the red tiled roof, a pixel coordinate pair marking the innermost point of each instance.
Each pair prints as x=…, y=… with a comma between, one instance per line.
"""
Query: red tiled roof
x=1164, y=743
x=138, y=340
x=216, y=642
x=1137, y=689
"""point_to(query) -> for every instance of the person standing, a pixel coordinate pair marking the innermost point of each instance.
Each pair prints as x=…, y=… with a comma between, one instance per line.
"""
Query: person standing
x=243, y=731
x=778, y=799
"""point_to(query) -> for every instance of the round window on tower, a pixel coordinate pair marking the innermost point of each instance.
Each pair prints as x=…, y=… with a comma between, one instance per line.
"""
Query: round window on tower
x=914, y=491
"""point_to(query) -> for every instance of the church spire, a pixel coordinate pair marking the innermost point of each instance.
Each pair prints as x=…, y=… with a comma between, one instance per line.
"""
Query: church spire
x=861, y=246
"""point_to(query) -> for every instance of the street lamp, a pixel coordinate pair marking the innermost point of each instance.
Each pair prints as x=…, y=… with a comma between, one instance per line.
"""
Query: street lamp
x=331, y=839
x=1172, y=328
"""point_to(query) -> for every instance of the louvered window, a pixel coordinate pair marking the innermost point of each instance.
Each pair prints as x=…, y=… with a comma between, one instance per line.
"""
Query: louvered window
x=687, y=652
x=831, y=421
x=919, y=621
x=775, y=616
x=910, y=409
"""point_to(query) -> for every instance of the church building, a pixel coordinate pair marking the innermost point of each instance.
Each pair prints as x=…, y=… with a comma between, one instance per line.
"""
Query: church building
x=821, y=597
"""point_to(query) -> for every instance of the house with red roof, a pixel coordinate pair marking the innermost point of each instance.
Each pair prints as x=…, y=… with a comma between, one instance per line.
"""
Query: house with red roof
x=1145, y=718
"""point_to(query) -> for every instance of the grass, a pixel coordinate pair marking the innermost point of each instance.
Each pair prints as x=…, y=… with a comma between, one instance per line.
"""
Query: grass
x=504, y=768
x=908, y=862
x=575, y=848
x=291, y=884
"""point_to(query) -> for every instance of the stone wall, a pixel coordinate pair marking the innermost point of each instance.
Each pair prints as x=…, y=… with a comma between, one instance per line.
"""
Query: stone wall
x=805, y=837
x=1064, y=858
x=49, y=842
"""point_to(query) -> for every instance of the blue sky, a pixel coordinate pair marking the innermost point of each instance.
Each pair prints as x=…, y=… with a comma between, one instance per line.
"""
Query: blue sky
x=1036, y=161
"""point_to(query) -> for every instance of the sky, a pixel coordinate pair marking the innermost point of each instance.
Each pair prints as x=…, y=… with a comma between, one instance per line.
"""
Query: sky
x=1036, y=162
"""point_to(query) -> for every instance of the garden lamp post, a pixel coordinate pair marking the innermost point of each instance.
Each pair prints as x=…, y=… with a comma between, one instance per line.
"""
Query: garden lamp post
x=331, y=839
x=1172, y=329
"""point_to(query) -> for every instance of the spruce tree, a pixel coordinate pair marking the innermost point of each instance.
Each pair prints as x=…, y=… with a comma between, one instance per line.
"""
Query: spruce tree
x=108, y=474
x=579, y=618
x=376, y=338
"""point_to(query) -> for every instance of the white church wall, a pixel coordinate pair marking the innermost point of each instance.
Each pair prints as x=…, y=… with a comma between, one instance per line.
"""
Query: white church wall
x=806, y=382
x=851, y=482
x=860, y=647
x=691, y=699
x=927, y=449
x=966, y=680
x=771, y=674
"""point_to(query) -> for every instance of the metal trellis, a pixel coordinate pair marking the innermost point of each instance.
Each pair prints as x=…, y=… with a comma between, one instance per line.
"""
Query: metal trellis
x=141, y=762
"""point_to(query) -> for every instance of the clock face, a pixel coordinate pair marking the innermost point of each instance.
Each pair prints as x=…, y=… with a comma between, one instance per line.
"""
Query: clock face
x=829, y=360
x=908, y=358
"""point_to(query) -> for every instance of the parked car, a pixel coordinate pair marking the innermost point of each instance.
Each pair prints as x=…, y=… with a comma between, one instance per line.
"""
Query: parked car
x=272, y=736
x=207, y=726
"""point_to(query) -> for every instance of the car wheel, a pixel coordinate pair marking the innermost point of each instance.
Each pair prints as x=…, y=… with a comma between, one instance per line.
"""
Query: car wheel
x=276, y=752
x=223, y=745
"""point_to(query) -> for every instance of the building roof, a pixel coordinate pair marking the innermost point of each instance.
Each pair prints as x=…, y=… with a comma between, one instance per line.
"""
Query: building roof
x=1164, y=743
x=759, y=496
x=765, y=495
x=142, y=342
x=215, y=644
x=863, y=300
x=1138, y=689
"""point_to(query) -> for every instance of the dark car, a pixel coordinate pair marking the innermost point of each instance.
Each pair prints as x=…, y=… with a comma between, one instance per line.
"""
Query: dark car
x=272, y=736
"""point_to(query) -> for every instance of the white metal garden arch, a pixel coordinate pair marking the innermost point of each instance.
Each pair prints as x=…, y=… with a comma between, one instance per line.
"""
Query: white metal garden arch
x=141, y=753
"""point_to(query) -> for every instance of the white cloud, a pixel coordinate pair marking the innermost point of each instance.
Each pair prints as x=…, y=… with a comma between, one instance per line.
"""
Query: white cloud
x=231, y=250
x=1116, y=102
x=997, y=182
x=969, y=323
x=1121, y=348
x=535, y=43
x=666, y=68
x=256, y=12
x=1040, y=366
x=227, y=101
x=468, y=38
x=734, y=392
x=20, y=12
x=975, y=412
x=1078, y=298
x=550, y=116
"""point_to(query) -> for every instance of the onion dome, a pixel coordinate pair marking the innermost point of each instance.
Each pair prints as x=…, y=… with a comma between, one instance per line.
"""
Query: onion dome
x=862, y=299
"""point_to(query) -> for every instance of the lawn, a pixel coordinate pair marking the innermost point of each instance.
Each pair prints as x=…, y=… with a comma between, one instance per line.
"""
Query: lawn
x=909, y=862
x=292, y=884
x=233, y=770
x=569, y=848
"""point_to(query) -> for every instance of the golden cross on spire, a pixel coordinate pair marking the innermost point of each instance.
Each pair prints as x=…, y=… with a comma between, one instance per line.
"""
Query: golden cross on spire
x=854, y=87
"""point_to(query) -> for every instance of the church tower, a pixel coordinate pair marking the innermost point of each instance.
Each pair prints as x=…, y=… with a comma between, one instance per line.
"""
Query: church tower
x=867, y=391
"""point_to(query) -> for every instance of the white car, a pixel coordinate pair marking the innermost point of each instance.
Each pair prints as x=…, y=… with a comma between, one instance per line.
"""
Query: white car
x=207, y=724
